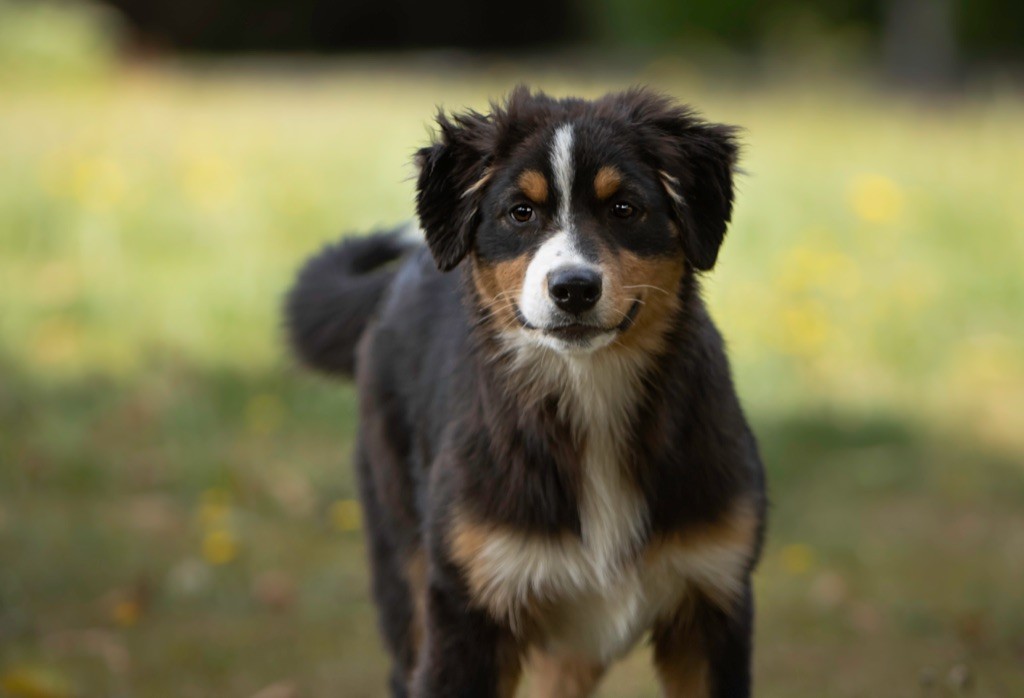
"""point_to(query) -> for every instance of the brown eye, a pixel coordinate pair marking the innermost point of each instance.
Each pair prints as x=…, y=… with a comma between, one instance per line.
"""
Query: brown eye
x=623, y=210
x=521, y=213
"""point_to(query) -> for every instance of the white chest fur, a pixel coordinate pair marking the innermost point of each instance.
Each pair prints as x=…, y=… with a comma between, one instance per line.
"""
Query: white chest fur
x=596, y=594
x=603, y=607
x=577, y=600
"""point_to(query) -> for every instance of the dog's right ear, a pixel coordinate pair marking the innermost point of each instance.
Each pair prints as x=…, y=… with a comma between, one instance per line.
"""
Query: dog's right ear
x=453, y=174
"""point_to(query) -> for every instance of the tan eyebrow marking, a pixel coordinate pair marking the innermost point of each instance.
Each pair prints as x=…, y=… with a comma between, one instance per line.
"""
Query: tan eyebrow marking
x=534, y=185
x=607, y=181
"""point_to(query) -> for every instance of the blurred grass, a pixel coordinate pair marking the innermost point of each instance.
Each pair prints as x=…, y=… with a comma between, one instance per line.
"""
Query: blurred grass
x=176, y=512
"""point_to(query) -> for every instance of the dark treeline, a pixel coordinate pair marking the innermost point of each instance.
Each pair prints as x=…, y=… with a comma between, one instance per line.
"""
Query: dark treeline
x=340, y=25
x=914, y=38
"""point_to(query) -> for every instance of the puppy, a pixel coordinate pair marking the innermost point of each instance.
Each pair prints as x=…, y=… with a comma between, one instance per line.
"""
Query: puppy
x=552, y=459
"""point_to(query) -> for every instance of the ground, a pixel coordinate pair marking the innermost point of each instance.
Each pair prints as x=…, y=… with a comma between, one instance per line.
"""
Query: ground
x=176, y=498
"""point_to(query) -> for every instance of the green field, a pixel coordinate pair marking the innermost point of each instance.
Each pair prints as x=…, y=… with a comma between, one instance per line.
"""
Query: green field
x=176, y=514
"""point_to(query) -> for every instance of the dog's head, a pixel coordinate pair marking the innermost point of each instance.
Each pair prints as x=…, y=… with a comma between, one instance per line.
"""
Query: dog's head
x=579, y=219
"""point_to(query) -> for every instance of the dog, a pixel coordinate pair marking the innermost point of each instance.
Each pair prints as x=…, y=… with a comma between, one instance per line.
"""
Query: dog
x=552, y=460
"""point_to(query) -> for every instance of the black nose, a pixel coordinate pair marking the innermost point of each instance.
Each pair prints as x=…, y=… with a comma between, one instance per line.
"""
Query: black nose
x=574, y=289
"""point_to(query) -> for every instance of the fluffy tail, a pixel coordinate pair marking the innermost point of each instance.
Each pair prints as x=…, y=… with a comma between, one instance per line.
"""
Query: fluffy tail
x=334, y=297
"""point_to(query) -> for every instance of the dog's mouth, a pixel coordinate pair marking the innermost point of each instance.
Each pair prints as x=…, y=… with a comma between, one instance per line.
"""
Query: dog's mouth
x=581, y=332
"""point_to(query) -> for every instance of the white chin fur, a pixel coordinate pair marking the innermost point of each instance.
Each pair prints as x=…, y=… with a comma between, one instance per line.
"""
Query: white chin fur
x=578, y=348
x=521, y=339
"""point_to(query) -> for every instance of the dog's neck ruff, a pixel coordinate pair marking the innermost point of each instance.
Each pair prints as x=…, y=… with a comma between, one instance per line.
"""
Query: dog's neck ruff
x=597, y=395
x=595, y=576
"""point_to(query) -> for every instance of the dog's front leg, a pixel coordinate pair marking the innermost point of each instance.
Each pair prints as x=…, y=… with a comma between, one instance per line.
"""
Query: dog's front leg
x=465, y=653
x=705, y=651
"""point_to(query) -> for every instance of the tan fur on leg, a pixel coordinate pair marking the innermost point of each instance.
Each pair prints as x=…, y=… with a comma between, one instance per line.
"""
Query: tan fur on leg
x=680, y=659
x=562, y=677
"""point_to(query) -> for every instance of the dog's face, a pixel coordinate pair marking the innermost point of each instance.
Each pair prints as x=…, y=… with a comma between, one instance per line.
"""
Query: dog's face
x=579, y=219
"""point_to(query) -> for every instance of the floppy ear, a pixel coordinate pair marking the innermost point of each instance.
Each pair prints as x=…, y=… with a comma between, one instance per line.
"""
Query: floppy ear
x=699, y=183
x=696, y=162
x=453, y=173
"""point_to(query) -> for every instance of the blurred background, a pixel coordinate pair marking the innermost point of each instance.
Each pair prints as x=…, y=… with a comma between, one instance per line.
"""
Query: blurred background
x=177, y=513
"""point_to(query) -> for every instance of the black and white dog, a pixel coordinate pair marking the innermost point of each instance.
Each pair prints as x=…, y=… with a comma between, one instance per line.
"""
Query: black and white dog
x=552, y=458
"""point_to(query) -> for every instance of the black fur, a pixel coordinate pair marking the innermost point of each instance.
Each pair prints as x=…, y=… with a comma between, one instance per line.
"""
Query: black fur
x=669, y=138
x=446, y=205
x=334, y=297
x=442, y=428
x=701, y=157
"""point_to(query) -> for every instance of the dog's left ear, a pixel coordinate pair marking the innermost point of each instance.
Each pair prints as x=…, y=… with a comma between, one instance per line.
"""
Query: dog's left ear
x=696, y=164
x=453, y=173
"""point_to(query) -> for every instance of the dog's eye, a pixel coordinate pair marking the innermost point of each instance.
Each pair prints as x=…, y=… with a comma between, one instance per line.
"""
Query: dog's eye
x=521, y=213
x=622, y=209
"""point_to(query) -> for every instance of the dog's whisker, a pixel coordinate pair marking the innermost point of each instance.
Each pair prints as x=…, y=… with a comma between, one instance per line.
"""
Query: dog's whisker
x=648, y=286
x=498, y=302
x=509, y=295
x=495, y=311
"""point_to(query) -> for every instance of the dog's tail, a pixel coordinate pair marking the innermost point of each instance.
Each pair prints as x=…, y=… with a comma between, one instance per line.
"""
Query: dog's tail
x=336, y=294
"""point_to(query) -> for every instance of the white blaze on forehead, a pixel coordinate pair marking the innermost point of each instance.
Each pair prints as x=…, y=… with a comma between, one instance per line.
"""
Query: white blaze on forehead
x=564, y=170
x=559, y=250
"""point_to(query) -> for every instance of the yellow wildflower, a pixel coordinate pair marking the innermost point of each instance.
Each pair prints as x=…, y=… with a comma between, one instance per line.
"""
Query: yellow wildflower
x=346, y=515
x=34, y=682
x=875, y=198
x=219, y=547
x=805, y=268
x=97, y=183
x=797, y=558
x=207, y=180
x=805, y=328
x=56, y=342
x=126, y=612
